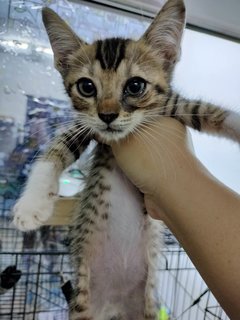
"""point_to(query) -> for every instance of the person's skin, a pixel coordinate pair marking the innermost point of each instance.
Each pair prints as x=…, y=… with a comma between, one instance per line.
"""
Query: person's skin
x=202, y=213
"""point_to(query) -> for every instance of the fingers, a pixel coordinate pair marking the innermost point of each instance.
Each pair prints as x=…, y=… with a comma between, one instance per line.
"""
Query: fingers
x=151, y=155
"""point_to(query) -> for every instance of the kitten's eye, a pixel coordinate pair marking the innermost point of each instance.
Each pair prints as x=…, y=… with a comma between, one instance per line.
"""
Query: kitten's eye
x=86, y=87
x=135, y=87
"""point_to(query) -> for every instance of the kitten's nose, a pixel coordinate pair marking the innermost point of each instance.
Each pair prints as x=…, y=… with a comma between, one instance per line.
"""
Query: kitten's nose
x=108, y=117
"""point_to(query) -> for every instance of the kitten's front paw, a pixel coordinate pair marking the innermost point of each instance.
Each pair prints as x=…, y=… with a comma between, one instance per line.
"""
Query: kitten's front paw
x=30, y=213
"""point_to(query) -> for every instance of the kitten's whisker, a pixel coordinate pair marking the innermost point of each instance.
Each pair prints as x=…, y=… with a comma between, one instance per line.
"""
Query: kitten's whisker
x=73, y=137
x=165, y=128
x=59, y=128
x=159, y=124
x=158, y=152
x=32, y=135
x=148, y=143
x=168, y=138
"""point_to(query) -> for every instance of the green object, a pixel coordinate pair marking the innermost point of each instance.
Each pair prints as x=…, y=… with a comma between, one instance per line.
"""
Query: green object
x=163, y=314
x=66, y=181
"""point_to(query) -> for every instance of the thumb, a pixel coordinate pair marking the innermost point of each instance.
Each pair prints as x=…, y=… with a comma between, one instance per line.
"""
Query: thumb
x=132, y=158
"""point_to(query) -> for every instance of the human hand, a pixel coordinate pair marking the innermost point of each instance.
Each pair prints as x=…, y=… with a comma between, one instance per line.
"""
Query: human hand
x=152, y=159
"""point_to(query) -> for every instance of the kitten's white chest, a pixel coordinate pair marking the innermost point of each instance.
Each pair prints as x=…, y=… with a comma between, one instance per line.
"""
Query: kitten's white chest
x=119, y=266
x=126, y=222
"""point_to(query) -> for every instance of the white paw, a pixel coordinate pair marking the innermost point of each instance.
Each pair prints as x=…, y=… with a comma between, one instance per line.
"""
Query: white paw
x=30, y=212
x=36, y=205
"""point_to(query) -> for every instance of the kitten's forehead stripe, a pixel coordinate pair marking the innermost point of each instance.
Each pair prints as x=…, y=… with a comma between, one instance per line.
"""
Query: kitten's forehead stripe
x=110, y=52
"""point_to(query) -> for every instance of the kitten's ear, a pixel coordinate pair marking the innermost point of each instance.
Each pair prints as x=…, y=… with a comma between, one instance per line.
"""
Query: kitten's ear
x=165, y=32
x=62, y=38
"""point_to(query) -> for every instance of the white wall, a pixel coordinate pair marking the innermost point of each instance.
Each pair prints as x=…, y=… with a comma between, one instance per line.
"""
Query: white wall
x=210, y=69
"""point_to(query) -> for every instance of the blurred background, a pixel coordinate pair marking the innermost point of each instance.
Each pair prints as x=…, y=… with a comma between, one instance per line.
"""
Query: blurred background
x=34, y=108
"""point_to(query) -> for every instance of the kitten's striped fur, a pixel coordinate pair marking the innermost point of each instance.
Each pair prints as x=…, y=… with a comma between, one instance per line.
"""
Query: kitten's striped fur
x=115, y=244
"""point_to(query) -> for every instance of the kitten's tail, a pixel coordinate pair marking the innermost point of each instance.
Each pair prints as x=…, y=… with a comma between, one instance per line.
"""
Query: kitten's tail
x=203, y=116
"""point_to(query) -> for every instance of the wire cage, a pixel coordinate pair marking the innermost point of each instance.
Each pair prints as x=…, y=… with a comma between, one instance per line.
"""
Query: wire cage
x=182, y=292
x=38, y=293
x=43, y=258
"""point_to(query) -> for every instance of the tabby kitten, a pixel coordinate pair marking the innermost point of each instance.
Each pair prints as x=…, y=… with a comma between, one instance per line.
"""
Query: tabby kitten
x=116, y=85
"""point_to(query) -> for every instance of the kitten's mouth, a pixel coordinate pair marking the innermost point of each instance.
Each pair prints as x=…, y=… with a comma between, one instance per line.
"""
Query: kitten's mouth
x=109, y=129
x=111, y=134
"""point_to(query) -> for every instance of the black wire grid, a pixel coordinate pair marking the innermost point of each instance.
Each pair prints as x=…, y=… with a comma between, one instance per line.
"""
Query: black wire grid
x=38, y=294
x=43, y=259
x=182, y=290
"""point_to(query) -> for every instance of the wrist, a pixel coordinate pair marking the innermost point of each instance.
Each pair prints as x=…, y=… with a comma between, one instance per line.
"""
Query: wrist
x=174, y=188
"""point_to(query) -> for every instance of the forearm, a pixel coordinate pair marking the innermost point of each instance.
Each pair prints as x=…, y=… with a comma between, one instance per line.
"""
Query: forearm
x=205, y=218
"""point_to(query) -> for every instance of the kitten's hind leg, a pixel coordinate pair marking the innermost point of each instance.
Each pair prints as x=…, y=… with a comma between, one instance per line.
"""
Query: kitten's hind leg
x=154, y=231
x=88, y=234
x=36, y=204
x=80, y=304
x=81, y=238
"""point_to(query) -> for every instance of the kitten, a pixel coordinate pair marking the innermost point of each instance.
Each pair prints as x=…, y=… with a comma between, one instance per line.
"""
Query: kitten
x=116, y=85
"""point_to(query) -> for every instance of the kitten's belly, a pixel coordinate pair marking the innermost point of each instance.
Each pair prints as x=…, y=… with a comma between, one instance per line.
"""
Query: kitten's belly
x=119, y=268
